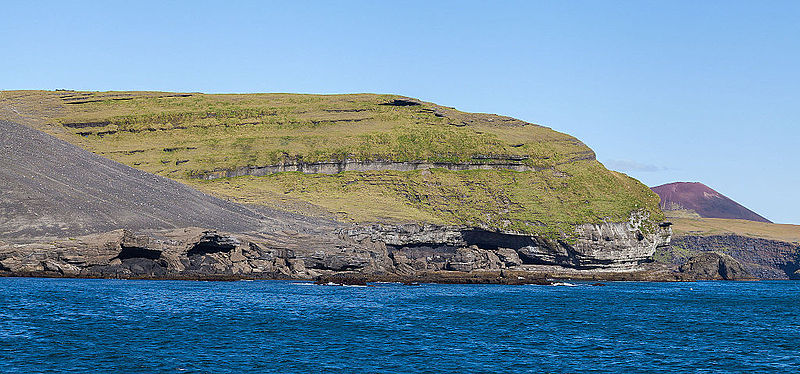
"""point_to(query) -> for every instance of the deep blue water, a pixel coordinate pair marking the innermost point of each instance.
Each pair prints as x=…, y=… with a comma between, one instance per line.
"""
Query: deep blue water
x=67, y=325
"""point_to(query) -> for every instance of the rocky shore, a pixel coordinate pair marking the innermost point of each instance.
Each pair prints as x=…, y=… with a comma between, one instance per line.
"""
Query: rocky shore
x=407, y=254
x=763, y=258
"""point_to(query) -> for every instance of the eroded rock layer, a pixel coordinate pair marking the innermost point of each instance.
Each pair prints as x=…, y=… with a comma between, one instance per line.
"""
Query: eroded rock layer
x=763, y=258
x=606, y=245
x=374, y=250
x=334, y=167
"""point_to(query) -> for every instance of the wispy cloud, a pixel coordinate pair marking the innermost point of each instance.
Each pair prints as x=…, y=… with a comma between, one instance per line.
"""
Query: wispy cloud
x=634, y=166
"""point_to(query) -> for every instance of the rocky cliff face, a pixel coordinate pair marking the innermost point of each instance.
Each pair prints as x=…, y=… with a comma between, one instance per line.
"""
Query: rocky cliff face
x=192, y=253
x=608, y=245
x=504, y=194
x=378, y=250
x=334, y=167
x=763, y=258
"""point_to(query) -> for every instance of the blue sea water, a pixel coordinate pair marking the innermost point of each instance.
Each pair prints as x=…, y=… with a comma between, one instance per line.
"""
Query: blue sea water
x=69, y=325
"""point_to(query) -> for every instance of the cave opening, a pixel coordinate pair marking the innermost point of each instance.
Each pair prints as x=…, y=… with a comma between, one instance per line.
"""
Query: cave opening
x=139, y=252
x=495, y=240
x=206, y=247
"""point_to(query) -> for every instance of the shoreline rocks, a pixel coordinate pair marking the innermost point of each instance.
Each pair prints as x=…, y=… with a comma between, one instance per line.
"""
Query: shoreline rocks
x=715, y=266
x=608, y=245
x=200, y=254
x=762, y=258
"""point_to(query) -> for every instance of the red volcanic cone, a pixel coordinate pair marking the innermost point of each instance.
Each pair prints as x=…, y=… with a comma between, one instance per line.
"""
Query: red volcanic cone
x=704, y=201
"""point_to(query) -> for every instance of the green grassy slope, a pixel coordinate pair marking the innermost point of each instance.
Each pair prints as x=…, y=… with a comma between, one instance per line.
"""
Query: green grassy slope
x=181, y=135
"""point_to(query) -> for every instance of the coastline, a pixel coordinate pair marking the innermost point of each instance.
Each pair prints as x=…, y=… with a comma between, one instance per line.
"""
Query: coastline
x=662, y=274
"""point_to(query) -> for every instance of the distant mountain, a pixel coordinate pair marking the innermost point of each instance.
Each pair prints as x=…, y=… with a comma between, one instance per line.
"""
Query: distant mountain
x=701, y=199
x=704, y=220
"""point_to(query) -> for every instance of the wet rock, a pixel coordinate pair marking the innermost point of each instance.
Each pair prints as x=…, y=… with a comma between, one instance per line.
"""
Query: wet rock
x=350, y=279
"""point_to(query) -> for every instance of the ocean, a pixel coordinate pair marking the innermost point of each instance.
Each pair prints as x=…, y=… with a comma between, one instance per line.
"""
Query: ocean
x=123, y=326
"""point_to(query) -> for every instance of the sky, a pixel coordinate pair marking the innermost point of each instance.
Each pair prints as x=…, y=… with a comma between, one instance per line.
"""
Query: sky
x=665, y=91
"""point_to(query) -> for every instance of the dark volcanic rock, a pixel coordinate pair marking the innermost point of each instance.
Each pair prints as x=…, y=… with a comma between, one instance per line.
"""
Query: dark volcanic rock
x=715, y=266
x=52, y=188
x=191, y=253
x=403, y=102
x=763, y=258
x=212, y=242
x=703, y=200
x=194, y=253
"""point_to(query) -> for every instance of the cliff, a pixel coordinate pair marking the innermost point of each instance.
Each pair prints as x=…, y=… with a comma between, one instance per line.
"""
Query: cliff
x=358, y=158
x=310, y=185
x=762, y=258
x=407, y=253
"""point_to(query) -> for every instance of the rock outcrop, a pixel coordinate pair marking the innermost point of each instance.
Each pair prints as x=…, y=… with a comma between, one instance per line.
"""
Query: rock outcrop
x=714, y=266
x=370, y=250
x=607, y=245
x=763, y=258
x=334, y=167
x=192, y=253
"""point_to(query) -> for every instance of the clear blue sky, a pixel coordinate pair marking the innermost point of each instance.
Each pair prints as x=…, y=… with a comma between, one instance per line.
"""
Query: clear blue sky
x=662, y=90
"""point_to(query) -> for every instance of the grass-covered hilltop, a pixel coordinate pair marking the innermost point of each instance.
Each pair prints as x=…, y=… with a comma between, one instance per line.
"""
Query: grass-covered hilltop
x=358, y=157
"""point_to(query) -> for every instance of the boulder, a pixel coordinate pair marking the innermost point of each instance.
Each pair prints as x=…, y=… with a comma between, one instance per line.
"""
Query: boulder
x=714, y=266
x=465, y=259
x=473, y=258
x=508, y=257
